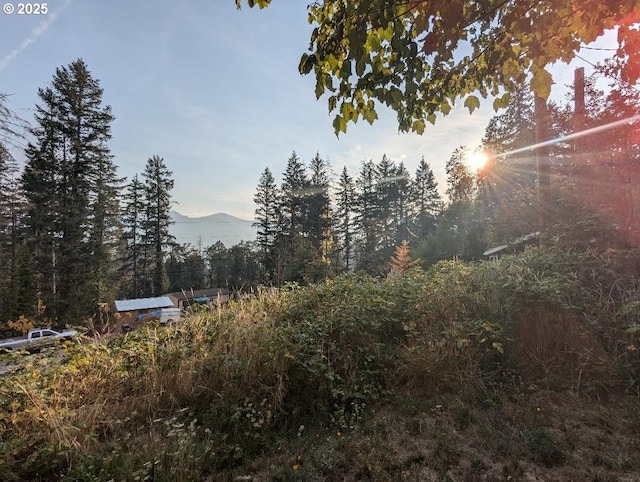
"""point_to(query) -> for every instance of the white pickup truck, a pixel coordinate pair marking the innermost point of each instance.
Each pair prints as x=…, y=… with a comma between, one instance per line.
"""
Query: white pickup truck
x=36, y=339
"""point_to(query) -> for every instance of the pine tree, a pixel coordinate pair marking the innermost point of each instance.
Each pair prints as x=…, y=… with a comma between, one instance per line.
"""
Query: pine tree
x=319, y=229
x=294, y=190
x=290, y=246
x=39, y=187
x=133, y=214
x=185, y=268
x=603, y=171
x=218, y=260
x=400, y=206
x=157, y=237
x=12, y=127
x=105, y=229
x=70, y=184
x=266, y=215
x=12, y=210
x=426, y=202
x=367, y=217
x=514, y=128
x=505, y=138
x=345, y=210
x=318, y=215
x=244, y=266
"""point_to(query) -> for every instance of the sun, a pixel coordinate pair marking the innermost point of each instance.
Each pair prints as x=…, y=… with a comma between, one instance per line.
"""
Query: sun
x=476, y=160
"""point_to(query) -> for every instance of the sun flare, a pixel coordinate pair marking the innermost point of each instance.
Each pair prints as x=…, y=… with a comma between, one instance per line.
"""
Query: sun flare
x=476, y=160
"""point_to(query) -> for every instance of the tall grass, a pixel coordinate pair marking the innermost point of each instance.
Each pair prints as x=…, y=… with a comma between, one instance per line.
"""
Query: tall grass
x=203, y=396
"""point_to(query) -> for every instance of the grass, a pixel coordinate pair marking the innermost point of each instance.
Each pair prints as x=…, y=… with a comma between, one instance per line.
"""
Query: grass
x=484, y=371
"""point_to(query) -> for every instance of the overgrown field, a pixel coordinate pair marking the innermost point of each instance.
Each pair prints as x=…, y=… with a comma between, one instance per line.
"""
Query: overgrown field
x=526, y=366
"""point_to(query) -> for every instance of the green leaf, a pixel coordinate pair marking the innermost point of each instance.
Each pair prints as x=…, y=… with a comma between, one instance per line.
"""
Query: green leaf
x=332, y=103
x=501, y=102
x=347, y=111
x=418, y=126
x=472, y=103
x=306, y=64
x=541, y=82
x=369, y=114
x=339, y=125
x=510, y=68
x=373, y=42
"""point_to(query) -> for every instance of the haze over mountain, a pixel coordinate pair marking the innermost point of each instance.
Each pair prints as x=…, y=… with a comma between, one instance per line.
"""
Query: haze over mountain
x=208, y=230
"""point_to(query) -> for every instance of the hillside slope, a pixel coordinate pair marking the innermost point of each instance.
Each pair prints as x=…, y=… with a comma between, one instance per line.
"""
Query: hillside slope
x=521, y=368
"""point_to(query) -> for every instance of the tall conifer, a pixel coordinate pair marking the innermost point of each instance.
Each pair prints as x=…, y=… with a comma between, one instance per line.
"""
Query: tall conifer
x=345, y=210
x=69, y=182
x=157, y=237
x=266, y=215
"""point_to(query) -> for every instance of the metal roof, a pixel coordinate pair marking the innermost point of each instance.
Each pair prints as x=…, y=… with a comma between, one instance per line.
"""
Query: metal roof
x=210, y=293
x=495, y=250
x=143, y=303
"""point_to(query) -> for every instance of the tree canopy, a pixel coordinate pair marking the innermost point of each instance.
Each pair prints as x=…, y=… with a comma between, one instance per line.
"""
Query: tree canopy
x=421, y=57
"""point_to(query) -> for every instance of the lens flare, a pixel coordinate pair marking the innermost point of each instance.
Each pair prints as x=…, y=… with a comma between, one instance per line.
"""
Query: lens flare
x=476, y=160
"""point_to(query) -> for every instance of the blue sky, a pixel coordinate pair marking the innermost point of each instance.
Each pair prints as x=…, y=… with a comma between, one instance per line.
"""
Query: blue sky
x=214, y=91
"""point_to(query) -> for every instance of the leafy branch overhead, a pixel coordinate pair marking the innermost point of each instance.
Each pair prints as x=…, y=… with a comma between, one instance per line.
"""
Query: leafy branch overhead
x=419, y=57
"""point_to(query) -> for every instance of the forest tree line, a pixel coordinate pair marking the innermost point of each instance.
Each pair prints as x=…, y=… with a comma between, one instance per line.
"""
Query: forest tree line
x=74, y=236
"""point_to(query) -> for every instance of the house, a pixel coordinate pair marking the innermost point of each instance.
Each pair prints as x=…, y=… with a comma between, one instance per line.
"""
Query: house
x=210, y=297
x=131, y=313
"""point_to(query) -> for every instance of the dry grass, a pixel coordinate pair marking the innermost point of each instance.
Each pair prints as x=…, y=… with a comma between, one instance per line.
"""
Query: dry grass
x=554, y=350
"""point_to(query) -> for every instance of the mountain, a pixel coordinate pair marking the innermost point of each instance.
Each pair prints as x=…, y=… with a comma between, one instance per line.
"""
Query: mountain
x=208, y=230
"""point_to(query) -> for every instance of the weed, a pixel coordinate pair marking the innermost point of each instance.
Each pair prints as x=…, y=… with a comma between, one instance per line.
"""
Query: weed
x=544, y=446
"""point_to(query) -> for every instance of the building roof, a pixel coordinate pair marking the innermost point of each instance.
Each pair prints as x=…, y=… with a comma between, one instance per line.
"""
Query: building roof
x=210, y=293
x=143, y=303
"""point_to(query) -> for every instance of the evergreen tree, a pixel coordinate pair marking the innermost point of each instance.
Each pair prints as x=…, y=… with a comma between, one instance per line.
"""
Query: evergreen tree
x=266, y=216
x=603, y=171
x=391, y=198
x=157, y=237
x=401, y=203
x=318, y=215
x=244, y=266
x=345, y=210
x=105, y=229
x=133, y=215
x=12, y=210
x=12, y=127
x=367, y=217
x=290, y=244
x=218, y=260
x=513, y=129
x=386, y=197
x=185, y=268
x=426, y=201
x=319, y=230
x=70, y=182
x=507, y=138
x=39, y=187
x=459, y=234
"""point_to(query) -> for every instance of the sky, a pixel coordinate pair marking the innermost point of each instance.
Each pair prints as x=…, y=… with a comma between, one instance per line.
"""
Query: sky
x=215, y=92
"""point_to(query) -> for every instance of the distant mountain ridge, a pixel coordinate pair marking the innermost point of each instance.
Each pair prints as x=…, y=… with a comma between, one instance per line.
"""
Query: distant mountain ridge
x=208, y=230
